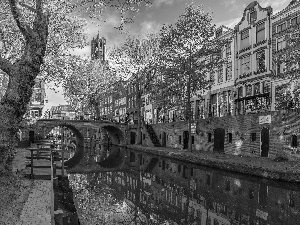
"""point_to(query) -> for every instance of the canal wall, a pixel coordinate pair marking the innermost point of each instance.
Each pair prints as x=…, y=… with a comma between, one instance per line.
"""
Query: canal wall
x=266, y=134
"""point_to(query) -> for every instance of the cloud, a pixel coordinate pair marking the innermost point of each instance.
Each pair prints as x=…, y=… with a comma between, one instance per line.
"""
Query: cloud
x=277, y=5
x=229, y=23
x=158, y=3
x=149, y=27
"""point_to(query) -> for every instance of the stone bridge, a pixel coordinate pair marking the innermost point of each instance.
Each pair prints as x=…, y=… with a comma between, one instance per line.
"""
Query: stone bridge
x=84, y=131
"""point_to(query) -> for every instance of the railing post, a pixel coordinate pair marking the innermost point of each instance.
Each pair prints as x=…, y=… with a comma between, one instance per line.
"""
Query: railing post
x=31, y=175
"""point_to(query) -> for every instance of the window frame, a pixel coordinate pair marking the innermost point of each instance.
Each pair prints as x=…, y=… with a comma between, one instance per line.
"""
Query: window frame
x=244, y=63
x=281, y=26
x=280, y=41
x=259, y=29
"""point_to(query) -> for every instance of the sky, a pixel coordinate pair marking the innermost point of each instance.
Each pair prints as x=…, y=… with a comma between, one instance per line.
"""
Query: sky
x=151, y=19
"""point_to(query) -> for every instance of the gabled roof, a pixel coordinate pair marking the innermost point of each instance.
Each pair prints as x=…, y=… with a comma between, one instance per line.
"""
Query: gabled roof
x=268, y=9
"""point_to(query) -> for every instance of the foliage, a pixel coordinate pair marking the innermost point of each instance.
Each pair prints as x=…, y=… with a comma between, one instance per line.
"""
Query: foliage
x=88, y=82
x=35, y=36
x=188, y=53
x=136, y=58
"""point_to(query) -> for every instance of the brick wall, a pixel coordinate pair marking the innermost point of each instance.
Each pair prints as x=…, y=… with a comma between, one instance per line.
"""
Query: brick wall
x=283, y=125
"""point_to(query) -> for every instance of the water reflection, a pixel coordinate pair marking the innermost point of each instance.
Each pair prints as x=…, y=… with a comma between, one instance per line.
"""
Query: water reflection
x=154, y=190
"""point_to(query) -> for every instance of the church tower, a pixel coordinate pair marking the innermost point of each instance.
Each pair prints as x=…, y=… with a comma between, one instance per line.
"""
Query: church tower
x=98, y=48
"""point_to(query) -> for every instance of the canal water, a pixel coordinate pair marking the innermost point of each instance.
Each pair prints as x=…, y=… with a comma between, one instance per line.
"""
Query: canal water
x=148, y=189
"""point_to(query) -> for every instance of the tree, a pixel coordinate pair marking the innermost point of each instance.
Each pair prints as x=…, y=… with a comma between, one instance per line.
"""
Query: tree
x=28, y=37
x=189, y=52
x=136, y=62
x=87, y=83
x=286, y=63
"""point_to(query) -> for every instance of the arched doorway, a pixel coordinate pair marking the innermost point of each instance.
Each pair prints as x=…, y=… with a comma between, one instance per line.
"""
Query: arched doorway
x=264, y=141
x=219, y=139
x=185, y=140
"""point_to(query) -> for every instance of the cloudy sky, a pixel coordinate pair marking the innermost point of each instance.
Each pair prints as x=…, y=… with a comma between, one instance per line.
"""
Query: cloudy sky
x=149, y=19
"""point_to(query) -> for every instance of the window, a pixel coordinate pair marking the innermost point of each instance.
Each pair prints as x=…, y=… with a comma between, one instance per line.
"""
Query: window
x=245, y=65
x=260, y=60
x=228, y=71
x=228, y=50
x=253, y=16
x=281, y=67
x=245, y=42
x=179, y=139
x=193, y=140
x=256, y=88
x=281, y=43
x=260, y=32
x=218, y=33
x=294, y=143
x=281, y=27
x=209, y=137
x=266, y=87
x=295, y=20
x=229, y=137
x=227, y=185
x=208, y=179
x=240, y=92
x=249, y=90
x=179, y=168
x=253, y=137
x=220, y=75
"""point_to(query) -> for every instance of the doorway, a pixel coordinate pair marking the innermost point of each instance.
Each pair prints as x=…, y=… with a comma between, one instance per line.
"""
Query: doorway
x=264, y=140
x=164, y=139
x=219, y=140
x=185, y=139
x=132, y=138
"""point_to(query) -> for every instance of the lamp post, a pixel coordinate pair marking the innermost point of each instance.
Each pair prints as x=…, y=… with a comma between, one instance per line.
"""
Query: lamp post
x=210, y=83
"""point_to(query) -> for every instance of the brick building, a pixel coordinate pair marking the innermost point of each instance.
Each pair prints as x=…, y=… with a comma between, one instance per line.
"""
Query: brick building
x=37, y=101
x=286, y=69
x=253, y=60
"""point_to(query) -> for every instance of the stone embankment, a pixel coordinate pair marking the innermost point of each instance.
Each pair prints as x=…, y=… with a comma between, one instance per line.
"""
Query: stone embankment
x=254, y=166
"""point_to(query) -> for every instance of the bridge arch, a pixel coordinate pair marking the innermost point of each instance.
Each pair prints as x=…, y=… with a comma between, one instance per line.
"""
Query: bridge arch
x=116, y=132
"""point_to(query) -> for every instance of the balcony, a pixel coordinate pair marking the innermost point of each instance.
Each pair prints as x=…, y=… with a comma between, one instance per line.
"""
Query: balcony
x=259, y=43
x=245, y=49
x=245, y=75
x=259, y=71
x=253, y=104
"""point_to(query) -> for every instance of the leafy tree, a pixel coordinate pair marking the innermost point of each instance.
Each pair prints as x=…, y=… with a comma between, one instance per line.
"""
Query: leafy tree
x=136, y=61
x=189, y=52
x=32, y=33
x=88, y=83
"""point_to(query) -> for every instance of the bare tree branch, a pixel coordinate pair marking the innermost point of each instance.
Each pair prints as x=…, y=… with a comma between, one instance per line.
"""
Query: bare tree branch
x=5, y=65
x=16, y=14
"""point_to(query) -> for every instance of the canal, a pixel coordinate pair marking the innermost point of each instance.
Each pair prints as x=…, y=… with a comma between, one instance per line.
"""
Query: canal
x=150, y=189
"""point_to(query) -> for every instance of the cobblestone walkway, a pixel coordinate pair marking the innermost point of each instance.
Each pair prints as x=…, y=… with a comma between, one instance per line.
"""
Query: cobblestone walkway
x=37, y=209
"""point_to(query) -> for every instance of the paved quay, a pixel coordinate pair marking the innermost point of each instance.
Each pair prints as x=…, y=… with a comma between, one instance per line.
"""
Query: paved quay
x=37, y=209
x=254, y=166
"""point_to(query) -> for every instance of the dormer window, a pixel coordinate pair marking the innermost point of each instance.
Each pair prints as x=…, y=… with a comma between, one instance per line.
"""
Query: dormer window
x=281, y=27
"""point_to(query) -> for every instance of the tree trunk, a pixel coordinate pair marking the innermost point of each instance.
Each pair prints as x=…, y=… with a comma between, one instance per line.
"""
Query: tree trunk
x=15, y=101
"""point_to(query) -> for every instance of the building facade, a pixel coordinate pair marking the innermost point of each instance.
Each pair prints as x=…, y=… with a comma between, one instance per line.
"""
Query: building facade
x=37, y=101
x=64, y=112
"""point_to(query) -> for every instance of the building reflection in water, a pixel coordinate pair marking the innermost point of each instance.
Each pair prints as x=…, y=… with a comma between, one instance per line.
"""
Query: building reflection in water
x=164, y=191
